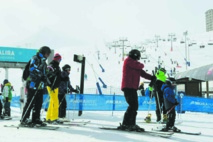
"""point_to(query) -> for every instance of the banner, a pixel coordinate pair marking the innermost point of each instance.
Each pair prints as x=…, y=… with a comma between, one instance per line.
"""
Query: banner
x=93, y=102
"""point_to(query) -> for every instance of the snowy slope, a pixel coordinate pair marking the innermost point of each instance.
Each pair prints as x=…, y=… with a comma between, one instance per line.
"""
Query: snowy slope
x=92, y=133
x=113, y=65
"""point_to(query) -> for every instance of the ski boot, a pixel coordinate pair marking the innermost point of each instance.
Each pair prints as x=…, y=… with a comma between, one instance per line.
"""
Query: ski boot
x=136, y=128
x=26, y=123
x=165, y=129
x=175, y=129
x=164, y=118
x=39, y=123
x=148, y=118
x=122, y=127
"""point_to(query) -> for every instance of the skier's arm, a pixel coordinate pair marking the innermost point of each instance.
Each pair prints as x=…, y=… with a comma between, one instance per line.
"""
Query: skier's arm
x=34, y=67
x=70, y=87
x=146, y=75
x=169, y=95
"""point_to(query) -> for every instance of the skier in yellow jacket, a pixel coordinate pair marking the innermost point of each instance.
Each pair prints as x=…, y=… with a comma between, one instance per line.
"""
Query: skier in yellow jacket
x=54, y=76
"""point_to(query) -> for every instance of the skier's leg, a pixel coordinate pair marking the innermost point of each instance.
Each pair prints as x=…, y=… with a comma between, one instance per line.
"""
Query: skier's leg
x=60, y=97
x=64, y=106
x=37, y=106
x=50, y=107
x=131, y=112
x=55, y=104
x=28, y=106
x=158, y=112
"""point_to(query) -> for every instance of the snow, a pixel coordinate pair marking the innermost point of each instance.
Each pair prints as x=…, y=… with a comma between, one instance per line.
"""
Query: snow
x=196, y=122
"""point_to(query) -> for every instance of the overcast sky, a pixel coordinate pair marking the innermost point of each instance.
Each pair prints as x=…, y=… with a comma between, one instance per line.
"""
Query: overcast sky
x=91, y=22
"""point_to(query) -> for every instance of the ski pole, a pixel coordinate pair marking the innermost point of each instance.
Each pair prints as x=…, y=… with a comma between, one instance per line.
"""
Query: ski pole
x=170, y=110
x=29, y=104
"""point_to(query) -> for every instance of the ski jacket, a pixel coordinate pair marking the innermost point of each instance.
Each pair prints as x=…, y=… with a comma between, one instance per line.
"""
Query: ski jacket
x=169, y=96
x=37, y=70
x=157, y=87
x=65, y=85
x=7, y=91
x=54, y=75
x=132, y=71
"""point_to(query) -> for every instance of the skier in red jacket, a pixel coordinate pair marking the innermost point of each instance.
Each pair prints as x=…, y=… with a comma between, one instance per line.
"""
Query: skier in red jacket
x=132, y=71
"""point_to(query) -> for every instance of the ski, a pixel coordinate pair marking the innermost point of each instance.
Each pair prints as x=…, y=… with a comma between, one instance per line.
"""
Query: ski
x=8, y=118
x=181, y=132
x=35, y=127
x=70, y=124
x=176, y=123
x=151, y=133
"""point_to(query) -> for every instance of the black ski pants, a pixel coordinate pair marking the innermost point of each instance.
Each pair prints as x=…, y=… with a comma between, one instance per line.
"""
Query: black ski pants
x=159, y=104
x=62, y=105
x=131, y=97
x=171, y=118
x=7, y=109
x=34, y=101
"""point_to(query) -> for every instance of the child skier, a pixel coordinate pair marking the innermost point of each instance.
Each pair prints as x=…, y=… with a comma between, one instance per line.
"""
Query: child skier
x=170, y=103
x=65, y=87
x=7, y=97
x=54, y=76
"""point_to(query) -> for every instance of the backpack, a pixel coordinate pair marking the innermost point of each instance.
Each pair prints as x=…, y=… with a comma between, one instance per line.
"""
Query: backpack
x=26, y=71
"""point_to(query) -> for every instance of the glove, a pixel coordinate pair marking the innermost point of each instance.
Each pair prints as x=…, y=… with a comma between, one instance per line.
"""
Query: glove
x=7, y=100
x=76, y=91
x=153, y=78
x=176, y=103
x=150, y=88
x=22, y=100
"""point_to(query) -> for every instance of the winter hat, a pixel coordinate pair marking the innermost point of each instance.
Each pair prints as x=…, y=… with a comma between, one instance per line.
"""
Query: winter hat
x=5, y=81
x=170, y=81
x=57, y=57
x=66, y=67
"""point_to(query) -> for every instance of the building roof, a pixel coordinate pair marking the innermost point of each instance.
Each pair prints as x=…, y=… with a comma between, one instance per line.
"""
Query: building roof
x=204, y=73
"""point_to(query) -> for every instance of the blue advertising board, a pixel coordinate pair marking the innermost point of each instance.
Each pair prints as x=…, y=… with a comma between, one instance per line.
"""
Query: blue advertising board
x=93, y=102
x=12, y=54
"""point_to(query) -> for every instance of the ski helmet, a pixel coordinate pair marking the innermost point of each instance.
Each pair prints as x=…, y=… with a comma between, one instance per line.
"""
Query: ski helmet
x=163, y=70
x=5, y=81
x=135, y=54
x=45, y=50
x=66, y=67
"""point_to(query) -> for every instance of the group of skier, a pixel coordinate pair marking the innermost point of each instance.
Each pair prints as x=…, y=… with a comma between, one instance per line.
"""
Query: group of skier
x=161, y=87
x=39, y=76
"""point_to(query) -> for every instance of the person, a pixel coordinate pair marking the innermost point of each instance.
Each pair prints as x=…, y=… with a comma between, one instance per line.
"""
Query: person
x=170, y=103
x=7, y=97
x=161, y=78
x=141, y=88
x=35, y=87
x=64, y=88
x=54, y=76
x=132, y=71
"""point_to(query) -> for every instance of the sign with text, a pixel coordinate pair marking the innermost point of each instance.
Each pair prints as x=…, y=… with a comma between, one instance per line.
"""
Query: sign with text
x=12, y=54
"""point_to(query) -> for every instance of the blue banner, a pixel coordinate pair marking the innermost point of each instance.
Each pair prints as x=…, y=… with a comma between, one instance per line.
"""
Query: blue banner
x=11, y=54
x=90, y=102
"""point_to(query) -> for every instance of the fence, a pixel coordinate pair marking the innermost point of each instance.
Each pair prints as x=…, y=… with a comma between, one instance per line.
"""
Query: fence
x=91, y=102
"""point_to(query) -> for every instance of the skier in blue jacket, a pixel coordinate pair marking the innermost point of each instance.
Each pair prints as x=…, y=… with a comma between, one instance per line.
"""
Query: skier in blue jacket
x=170, y=103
